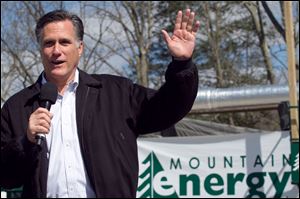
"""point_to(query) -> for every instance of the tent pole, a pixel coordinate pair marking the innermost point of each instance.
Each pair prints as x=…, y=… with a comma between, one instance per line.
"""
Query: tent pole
x=289, y=31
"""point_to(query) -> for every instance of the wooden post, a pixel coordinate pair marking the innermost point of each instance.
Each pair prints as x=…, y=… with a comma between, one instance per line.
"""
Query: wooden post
x=289, y=32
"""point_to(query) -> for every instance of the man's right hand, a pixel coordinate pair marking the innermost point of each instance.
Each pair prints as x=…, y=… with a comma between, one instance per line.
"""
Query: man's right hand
x=39, y=122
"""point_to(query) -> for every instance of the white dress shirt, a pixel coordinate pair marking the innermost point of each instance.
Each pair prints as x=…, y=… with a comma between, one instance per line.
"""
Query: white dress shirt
x=67, y=177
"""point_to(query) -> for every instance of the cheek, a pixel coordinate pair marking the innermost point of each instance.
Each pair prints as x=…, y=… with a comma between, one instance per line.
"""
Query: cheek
x=73, y=56
x=44, y=59
x=45, y=54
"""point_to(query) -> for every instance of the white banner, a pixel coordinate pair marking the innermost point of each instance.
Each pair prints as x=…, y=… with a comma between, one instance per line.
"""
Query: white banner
x=235, y=166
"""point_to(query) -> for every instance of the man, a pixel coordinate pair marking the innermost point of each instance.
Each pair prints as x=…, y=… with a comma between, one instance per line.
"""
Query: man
x=90, y=148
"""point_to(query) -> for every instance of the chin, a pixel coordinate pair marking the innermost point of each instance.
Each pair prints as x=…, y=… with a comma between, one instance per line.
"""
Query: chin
x=57, y=73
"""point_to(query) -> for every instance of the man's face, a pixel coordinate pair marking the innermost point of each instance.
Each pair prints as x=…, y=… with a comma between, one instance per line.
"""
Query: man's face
x=60, y=51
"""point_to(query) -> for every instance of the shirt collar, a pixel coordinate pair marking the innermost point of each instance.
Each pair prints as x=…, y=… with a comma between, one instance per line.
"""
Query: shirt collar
x=72, y=85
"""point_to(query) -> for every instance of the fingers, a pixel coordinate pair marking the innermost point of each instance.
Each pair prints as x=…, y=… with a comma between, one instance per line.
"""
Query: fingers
x=186, y=22
x=190, y=22
x=166, y=36
x=178, y=20
x=39, y=122
x=185, y=19
x=196, y=28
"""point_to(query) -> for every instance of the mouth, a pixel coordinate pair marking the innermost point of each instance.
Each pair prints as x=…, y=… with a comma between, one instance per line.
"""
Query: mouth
x=57, y=62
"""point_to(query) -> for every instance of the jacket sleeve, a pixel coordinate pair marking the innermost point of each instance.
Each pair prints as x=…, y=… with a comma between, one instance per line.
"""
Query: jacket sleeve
x=18, y=155
x=163, y=108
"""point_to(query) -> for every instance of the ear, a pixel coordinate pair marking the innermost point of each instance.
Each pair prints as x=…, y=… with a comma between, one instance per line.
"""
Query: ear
x=80, y=48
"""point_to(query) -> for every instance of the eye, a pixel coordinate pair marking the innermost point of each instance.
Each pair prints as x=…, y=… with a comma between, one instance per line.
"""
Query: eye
x=48, y=43
x=65, y=42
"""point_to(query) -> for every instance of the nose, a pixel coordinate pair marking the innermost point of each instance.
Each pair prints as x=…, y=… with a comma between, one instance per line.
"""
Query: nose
x=56, y=49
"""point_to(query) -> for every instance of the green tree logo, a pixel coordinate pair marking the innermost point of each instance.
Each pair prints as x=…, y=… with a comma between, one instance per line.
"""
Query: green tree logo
x=295, y=161
x=148, y=176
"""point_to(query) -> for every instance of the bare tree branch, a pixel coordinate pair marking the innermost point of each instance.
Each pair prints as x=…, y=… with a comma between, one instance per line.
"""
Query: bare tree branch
x=22, y=68
x=276, y=24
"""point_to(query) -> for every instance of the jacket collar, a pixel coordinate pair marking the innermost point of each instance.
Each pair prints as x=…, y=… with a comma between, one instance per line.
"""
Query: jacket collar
x=32, y=92
x=84, y=80
x=88, y=80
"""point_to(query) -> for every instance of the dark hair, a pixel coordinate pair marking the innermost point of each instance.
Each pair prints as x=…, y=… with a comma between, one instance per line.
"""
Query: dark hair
x=59, y=15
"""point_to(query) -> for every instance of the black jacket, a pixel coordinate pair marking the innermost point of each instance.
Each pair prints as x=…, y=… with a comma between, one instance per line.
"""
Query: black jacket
x=111, y=112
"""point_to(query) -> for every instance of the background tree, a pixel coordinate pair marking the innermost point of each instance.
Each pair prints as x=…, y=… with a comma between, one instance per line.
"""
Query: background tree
x=279, y=25
x=129, y=34
x=255, y=11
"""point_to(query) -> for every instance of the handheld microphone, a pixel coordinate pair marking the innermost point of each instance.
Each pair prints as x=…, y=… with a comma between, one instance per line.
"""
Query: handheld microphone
x=48, y=97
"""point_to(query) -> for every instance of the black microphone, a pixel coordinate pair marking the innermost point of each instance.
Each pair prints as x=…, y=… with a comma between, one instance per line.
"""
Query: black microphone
x=48, y=97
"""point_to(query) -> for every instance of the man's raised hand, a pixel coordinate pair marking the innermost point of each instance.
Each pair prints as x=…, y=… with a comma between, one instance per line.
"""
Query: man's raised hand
x=182, y=43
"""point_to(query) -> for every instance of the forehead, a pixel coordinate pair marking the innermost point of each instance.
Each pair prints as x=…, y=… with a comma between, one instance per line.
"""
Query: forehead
x=58, y=29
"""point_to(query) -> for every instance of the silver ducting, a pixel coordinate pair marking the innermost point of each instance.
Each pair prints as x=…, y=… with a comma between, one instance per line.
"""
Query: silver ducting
x=241, y=99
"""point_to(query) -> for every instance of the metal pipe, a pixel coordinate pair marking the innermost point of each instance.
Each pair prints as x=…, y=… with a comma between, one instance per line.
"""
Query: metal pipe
x=241, y=99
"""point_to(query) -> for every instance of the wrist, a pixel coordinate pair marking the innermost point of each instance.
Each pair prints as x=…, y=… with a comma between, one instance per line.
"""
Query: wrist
x=181, y=58
x=30, y=137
